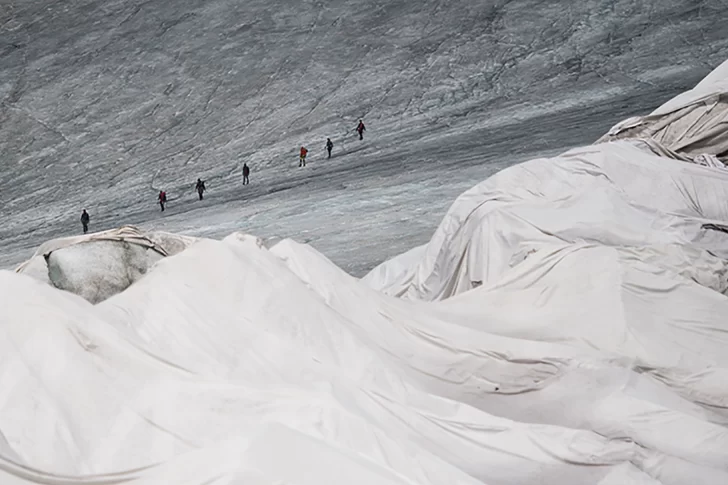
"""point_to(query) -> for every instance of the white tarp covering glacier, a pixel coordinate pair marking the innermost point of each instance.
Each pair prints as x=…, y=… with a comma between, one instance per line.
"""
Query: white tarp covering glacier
x=565, y=325
x=693, y=124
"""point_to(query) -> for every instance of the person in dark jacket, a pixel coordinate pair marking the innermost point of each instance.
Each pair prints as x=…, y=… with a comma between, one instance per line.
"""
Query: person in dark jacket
x=246, y=173
x=360, y=129
x=85, y=218
x=200, y=187
x=162, y=199
x=329, y=146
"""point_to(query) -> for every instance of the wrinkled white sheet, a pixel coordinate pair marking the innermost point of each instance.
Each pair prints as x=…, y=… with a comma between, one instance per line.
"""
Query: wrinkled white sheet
x=292, y=363
x=614, y=194
x=565, y=325
x=693, y=124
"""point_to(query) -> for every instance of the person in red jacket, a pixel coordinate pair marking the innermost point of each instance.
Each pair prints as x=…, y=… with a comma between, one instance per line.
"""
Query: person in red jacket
x=302, y=159
x=162, y=199
x=360, y=129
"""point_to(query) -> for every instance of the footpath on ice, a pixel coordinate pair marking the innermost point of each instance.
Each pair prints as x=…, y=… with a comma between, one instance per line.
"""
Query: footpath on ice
x=565, y=325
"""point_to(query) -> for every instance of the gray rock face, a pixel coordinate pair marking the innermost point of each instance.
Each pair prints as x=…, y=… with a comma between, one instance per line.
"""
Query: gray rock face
x=102, y=102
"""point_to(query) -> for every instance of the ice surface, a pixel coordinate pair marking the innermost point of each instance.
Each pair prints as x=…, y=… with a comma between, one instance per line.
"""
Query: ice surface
x=102, y=101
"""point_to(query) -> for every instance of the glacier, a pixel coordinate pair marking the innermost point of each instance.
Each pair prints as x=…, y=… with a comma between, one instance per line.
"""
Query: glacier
x=564, y=325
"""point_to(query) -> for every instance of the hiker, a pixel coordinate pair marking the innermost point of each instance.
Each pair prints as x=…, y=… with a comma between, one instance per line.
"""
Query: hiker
x=302, y=160
x=246, y=173
x=329, y=146
x=200, y=187
x=360, y=129
x=85, y=218
x=162, y=199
